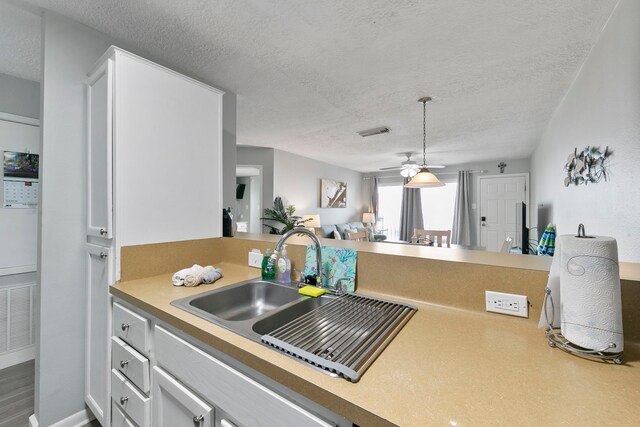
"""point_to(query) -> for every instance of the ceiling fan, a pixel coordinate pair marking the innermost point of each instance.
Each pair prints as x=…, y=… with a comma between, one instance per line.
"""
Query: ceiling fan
x=409, y=168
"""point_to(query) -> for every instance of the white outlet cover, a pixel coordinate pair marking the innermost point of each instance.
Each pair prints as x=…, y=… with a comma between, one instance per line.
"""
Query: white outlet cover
x=255, y=259
x=510, y=304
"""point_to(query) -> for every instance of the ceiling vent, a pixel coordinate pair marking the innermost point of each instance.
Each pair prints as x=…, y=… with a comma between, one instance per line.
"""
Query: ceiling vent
x=374, y=131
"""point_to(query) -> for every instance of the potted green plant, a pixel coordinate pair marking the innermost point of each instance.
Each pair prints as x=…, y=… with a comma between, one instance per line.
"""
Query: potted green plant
x=283, y=215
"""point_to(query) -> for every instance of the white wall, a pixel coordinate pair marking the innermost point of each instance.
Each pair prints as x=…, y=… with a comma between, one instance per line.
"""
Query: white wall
x=69, y=51
x=297, y=181
x=602, y=107
x=18, y=96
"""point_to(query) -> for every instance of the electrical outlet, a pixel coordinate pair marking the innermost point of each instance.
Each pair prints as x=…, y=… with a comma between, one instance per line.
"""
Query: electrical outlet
x=511, y=304
x=255, y=258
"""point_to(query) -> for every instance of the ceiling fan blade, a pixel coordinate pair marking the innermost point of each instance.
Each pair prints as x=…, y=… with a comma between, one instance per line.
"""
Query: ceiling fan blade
x=391, y=168
x=436, y=166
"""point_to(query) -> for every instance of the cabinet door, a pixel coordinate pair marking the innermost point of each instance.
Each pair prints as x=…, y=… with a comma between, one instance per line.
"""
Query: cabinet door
x=99, y=149
x=174, y=405
x=98, y=348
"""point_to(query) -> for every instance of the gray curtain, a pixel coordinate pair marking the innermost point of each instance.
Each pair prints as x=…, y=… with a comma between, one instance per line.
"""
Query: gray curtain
x=411, y=212
x=461, y=232
x=373, y=201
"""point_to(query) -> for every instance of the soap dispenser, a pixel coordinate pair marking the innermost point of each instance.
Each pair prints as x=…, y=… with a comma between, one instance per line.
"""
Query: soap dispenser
x=283, y=274
x=268, y=274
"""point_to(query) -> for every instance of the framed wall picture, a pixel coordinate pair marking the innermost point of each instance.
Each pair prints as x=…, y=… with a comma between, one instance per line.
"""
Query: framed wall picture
x=333, y=194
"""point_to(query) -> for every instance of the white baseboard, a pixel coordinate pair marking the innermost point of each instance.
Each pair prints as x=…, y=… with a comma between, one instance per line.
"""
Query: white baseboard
x=78, y=419
x=18, y=356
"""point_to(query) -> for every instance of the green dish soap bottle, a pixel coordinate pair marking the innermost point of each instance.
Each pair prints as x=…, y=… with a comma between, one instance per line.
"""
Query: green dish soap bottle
x=271, y=274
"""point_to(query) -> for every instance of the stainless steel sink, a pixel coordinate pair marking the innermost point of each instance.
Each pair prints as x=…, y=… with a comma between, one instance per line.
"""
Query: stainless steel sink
x=250, y=308
x=244, y=301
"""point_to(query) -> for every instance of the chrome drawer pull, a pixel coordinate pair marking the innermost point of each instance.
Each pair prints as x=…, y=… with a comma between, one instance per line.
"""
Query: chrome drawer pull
x=123, y=400
x=125, y=326
x=103, y=255
x=197, y=421
x=103, y=231
x=124, y=363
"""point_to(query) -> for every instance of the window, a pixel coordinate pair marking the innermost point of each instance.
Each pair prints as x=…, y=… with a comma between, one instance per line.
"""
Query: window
x=438, y=205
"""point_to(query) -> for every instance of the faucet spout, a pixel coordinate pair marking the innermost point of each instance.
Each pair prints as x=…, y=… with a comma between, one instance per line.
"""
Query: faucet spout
x=299, y=230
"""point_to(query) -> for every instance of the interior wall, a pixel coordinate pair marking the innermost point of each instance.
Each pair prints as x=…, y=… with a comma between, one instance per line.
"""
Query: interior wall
x=19, y=96
x=601, y=108
x=297, y=181
x=229, y=108
x=69, y=51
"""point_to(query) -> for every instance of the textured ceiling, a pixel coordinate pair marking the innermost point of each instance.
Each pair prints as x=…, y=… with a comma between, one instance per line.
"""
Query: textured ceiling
x=310, y=74
x=19, y=42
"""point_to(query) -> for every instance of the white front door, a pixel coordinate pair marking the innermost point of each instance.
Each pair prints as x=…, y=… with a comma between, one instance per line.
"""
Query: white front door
x=498, y=198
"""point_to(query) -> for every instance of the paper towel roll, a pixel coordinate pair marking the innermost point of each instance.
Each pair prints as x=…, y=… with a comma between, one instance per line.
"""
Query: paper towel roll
x=590, y=299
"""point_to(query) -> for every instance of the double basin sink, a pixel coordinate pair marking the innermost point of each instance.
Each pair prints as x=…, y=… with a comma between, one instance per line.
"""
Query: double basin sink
x=252, y=308
x=340, y=335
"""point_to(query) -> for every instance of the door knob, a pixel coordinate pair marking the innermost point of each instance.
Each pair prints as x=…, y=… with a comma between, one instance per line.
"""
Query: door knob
x=103, y=231
x=197, y=421
x=123, y=400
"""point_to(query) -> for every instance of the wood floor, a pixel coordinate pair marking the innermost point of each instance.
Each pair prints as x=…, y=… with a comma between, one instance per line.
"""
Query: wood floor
x=16, y=395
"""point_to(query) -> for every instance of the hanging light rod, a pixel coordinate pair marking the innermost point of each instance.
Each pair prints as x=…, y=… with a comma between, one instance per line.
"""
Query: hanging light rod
x=424, y=178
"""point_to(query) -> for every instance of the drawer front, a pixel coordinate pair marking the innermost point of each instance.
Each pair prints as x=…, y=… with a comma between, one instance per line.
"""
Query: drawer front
x=176, y=405
x=118, y=418
x=130, y=363
x=250, y=402
x=131, y=328
x=131, y=401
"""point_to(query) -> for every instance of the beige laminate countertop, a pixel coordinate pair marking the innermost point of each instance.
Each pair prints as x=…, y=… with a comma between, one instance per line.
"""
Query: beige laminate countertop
x=446, y=367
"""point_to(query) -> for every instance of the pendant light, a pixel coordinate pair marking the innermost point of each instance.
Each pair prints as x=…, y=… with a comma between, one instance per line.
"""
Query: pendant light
x=424, y=178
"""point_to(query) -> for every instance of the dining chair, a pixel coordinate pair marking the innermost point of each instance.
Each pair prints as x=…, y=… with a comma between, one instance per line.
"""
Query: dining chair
x=436, y=236
x=357, y=235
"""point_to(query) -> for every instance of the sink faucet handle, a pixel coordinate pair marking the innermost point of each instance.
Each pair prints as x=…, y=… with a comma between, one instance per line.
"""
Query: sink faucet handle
x=338, y=287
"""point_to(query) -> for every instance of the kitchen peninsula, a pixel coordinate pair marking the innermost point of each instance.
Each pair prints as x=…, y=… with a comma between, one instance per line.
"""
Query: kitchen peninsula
x=452, y=364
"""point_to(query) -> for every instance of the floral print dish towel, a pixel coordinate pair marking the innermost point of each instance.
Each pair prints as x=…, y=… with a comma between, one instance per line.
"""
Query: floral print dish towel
x=337, y=263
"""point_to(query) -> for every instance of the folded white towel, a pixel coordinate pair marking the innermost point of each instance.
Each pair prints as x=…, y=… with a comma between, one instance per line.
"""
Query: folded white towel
x=196, y=275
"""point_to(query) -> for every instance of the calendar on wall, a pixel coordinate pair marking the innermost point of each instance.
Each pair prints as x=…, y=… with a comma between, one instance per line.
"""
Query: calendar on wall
x=21, y=172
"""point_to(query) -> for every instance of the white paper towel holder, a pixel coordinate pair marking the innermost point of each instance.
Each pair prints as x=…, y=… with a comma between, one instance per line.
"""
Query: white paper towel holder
x=555, y=338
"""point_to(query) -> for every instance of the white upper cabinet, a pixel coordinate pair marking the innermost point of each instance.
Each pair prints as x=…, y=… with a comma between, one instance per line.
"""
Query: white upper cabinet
x=155, y=154
x=99, y=150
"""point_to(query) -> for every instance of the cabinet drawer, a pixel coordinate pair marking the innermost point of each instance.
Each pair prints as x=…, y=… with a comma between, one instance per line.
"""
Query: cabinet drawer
x=249, y=402
x=176, y=405
x=131, y=327
x=130, y=363
x=129, y=399
x=118, y=418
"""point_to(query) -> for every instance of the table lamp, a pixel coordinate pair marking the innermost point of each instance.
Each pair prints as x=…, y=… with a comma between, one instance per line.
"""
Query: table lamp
x=314, y=221
x=369, y=218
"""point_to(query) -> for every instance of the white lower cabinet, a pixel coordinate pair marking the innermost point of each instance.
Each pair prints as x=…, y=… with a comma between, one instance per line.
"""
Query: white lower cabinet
x=189, y=386
x=174, y=405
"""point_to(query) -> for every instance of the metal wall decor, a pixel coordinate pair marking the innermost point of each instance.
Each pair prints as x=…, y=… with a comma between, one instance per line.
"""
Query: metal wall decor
x=588, y=165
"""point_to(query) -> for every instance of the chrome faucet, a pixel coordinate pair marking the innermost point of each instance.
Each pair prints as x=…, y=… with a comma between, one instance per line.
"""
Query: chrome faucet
x=299, y=230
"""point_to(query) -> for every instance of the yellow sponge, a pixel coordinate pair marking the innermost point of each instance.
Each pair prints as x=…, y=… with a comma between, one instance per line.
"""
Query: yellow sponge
x=311, y=291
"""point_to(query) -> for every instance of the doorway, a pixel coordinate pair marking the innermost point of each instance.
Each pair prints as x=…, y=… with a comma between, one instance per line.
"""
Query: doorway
x=248, y=198
x=499, y=195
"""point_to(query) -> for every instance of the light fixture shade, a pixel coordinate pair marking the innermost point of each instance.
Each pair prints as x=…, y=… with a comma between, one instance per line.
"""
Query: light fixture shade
x=424, y=179
x=369, y=218
x=314, y=220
